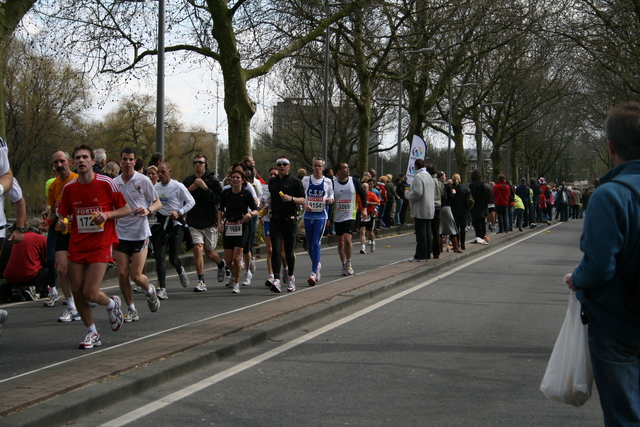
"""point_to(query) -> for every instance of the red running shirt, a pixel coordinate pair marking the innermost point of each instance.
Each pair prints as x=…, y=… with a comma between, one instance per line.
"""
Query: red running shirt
x=81, y=201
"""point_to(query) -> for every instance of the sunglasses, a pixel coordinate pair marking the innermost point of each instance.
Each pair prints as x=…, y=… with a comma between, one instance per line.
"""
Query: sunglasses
x=282, y=164
x=198, y=162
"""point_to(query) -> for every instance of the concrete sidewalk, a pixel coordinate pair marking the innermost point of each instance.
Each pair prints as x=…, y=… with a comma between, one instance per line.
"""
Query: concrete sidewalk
x=80, y=386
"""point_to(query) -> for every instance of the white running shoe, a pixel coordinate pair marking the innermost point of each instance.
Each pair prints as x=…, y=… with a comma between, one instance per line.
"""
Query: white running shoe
x=184, y=279
x=69, y=315
x=51, y=301
x=115, y=314
x=373, y=246
x=344, y=270
x=362, y=249
x=349, y=269
x=221, y=271
x=275, y=287
x=227, y=272
x=236, y=288
x=292, y=284
x=246, y=278
x=131, y=316
x=91, y=340
x=269, y=281
x=200, y=287
x=162, y=293
x=252, y=266
x=318, y=273
x=152, y=299
x=312, y=279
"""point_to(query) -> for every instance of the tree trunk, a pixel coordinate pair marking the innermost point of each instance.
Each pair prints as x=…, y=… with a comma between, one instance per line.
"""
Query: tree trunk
x=11, y=13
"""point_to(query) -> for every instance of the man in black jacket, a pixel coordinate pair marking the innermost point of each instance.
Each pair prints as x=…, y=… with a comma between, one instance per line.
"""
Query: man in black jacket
x=287, y=193
x=203, y=218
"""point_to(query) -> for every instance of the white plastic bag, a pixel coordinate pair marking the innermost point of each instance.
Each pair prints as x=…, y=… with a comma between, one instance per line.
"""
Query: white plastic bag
x=569, y=377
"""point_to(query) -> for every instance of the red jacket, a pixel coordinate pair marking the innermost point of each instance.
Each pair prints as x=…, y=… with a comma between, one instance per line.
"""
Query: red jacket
x=501, y=193
x=27, y=258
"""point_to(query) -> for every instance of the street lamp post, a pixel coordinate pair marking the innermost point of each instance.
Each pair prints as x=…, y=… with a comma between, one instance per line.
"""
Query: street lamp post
x=160, y=88
x=451, y=122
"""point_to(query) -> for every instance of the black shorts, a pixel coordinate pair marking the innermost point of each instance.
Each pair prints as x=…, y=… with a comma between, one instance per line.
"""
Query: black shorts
x=368, y=225
x=344, y=227
x=62, y=241
x=131, y=247
x=231, y=242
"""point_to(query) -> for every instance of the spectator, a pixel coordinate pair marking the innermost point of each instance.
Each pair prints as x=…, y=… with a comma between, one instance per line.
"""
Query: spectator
x=421, y=197
x=101, y=159
x=111, y=169
x=501, y=193
x=26, y=270
x=606, y=280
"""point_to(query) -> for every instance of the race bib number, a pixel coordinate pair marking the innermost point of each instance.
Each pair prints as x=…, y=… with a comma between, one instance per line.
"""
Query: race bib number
x=233, y=228
x=344, y=205
x=152, y=218
x=85, y=225
x=316, y=204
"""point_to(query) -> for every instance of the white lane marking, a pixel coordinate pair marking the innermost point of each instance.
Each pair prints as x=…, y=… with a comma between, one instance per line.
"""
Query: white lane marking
x=214, y=379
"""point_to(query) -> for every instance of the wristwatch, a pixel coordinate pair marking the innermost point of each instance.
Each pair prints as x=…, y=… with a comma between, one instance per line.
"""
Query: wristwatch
x=21, y=229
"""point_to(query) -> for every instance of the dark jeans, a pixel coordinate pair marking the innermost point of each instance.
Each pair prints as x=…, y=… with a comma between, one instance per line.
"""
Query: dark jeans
x=403, y=211
x=480, y=227
x=435, y=234
x=423, y=237
x=283, y=230
x=502, y=218
x=616, y=370
x=174, y=241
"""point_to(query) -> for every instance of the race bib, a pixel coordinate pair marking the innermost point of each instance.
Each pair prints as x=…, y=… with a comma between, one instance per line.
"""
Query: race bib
x=316, y=204
x=85, y=225
x=233, y=228
x=344, y=205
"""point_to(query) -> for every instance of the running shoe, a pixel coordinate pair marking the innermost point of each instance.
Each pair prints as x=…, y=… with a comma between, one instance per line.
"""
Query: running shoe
x=200, y=287
x=184, y=279
x=344, y=270
x=275, y=286
x=269, y=281
x=91, y=340
x=115, y=314
x=137, y=289
x=30, y=293
x=3, y=318
x=362, y=250
x=51, y=300
x=246, y=278
x=252, y=266
x=152, y=299
x=318, y=273
x=292, y=284
x=312, y=279
x=69, y=315
x=285, y=278
x=228, y=275
x=373, y=246
x=349, y=269
x=236, y=288
x=131, y=316
x=162, y=293
x=221, y=271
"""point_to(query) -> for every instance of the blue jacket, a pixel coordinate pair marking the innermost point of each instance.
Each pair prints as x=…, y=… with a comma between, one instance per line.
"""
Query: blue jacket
x=610, y=243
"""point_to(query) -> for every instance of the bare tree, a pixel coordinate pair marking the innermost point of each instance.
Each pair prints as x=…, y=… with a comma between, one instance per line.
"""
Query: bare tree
x=246, y=38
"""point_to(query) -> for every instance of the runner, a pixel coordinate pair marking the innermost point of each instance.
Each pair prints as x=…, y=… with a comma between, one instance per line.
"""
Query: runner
x=318, y=192
x=367, y=220
x=169, y=229
x=238, y=207
x=287, y=193
x=203, y=218
x=345, y=188
x=92, y=202
x=134, y=232
x=60, y=240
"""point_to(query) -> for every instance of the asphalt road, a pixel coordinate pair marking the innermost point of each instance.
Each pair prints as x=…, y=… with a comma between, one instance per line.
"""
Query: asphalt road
x=468, y=346
x=33, y=338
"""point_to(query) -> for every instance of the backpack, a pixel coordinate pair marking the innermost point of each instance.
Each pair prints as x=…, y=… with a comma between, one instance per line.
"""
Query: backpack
x=632, y=290
x=470, y=201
